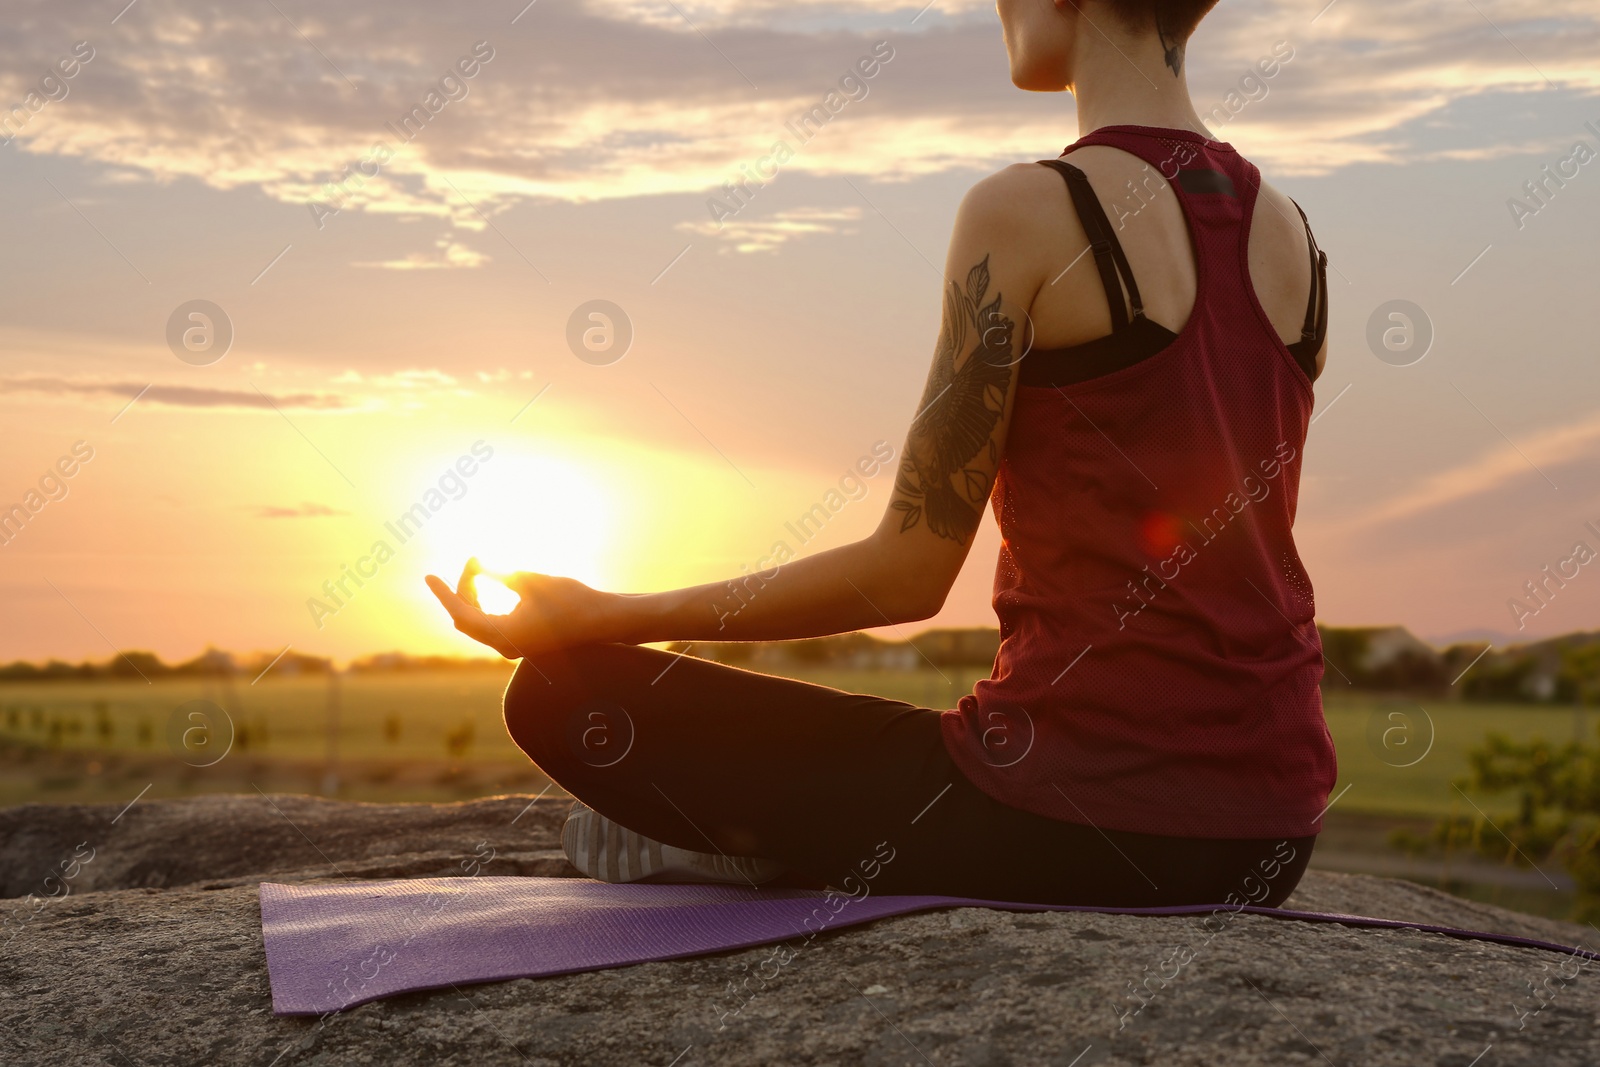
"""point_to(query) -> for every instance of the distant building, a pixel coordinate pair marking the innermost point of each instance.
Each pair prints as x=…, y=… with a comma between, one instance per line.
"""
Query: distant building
x=1388, y=645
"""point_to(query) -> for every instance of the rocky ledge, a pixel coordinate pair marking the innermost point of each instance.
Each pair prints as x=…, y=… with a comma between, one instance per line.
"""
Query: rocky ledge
x=133, y=938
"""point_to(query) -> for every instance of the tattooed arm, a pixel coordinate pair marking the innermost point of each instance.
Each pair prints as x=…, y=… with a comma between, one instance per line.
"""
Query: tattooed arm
x=953, y=448
x=904, y=570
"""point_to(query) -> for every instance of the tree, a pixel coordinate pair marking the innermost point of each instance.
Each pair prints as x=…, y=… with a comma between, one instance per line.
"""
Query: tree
x=1580, y=675
x=1558, y=816
x=1580, y=672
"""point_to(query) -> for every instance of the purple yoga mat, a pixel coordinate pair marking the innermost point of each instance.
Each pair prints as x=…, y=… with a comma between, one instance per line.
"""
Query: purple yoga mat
x=331, y=947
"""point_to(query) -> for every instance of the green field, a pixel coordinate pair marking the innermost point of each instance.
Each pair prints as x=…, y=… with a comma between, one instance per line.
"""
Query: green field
x=435, y=736
x=439, y=736
x=393, y=716
x=1380, y=783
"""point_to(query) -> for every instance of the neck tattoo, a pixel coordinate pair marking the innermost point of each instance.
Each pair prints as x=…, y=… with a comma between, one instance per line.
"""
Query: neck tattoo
x=1172, y=46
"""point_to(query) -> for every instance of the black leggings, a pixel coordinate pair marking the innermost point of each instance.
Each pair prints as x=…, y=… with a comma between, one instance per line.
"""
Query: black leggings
x=840, y=788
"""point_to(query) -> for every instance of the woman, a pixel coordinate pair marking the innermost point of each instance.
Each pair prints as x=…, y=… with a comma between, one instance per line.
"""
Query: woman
x=1135, y=394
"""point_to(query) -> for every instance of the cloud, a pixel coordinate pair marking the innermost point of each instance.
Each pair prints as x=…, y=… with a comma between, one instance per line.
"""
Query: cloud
x=176, y=395
x=617, y=98
x=451, y=255
x=304, y=511
x=767, y=235
x=407, y=379
x=414, y=378
x=1533, y=457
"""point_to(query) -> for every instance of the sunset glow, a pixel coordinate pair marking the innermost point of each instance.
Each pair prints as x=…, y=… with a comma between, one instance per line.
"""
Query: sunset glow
x=538, y=513
x=390, y=306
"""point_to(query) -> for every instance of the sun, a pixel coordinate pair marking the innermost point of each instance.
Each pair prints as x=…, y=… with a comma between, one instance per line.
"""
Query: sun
x=528, y=512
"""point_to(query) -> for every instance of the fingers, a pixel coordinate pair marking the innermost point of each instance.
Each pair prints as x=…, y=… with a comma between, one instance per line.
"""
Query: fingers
x=512, y=580
x=470, y=619
x=498, y=640
x=526, y=583
x=453, y=602
x=503, y=577
x=466, y=588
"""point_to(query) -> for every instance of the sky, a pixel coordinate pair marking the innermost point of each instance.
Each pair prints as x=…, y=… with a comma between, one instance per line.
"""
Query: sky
x=397, y=313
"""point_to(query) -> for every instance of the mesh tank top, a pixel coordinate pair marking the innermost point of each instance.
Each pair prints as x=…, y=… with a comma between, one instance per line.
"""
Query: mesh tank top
x=1159, y=661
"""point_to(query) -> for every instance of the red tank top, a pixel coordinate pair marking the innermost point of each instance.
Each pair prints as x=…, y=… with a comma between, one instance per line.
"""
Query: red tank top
x=1159, y=661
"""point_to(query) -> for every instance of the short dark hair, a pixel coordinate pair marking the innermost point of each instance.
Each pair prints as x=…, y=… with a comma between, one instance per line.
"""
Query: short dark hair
x=1177, y=17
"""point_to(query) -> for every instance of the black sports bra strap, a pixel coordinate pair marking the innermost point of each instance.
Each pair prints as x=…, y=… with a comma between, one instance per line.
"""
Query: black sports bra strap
x=1108, y=254
x=1317, y=302
x=1126, y=269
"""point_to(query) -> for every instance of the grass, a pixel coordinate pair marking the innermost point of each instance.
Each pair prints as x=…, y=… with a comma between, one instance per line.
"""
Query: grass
x=439, y=737
x=401, y=734
x=1379, y=780
x=423, y=737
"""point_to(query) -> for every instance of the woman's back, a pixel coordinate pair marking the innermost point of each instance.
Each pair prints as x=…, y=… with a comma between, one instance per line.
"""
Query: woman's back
x=1159, y=663
x=1150, y=226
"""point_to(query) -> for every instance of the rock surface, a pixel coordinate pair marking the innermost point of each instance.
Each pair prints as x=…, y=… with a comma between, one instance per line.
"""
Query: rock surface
x=154, y=957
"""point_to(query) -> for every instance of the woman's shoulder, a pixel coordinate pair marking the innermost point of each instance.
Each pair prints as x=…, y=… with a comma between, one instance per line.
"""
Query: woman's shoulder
x=1013, y=183
x=1279, y=203
x=1014, y=198
x=1022, y=215
x=1278, y=234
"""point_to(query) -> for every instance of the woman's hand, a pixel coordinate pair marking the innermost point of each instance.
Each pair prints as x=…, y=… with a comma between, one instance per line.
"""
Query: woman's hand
x=553, y=613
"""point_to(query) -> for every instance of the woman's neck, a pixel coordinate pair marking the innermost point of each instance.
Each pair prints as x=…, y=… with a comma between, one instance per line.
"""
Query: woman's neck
x=1130, y=80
